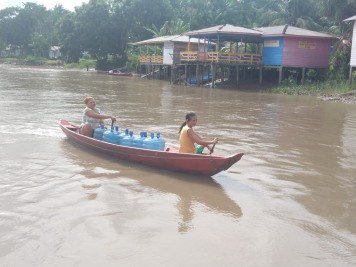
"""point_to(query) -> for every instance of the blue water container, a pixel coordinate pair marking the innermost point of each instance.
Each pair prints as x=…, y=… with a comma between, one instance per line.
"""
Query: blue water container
x=112, y=136
x=150, y=143
x=108, y=135
x=123, y=134
x=128, y=140
x=161, y=142
x=117, y=136
x=98, y=132
x=138, y=141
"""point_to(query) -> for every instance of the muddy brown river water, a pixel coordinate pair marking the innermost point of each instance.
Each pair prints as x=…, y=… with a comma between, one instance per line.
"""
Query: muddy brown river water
x=290, y=201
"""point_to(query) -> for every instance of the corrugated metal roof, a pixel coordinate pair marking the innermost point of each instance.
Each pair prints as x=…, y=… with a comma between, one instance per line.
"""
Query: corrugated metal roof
x=351, y=18
x=227, y=32
x=292, y=31
x=171, y=38
x=226, y=29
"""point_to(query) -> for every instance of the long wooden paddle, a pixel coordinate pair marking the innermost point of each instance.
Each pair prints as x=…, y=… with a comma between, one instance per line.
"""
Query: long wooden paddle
x=212, y=149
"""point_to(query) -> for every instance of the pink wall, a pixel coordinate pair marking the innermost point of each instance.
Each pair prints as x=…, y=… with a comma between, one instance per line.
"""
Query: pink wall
x=317, y=55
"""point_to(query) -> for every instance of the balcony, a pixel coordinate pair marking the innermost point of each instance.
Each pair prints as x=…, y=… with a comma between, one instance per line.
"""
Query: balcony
x=221, y=57
x=155, y=59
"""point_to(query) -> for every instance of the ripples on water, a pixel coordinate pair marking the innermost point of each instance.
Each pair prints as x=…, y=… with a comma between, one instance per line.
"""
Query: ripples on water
x=290, y=200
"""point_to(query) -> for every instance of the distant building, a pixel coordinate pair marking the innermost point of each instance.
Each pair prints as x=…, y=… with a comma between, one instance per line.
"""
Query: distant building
x=54, y=52
x=11, y=51
x=353, y=47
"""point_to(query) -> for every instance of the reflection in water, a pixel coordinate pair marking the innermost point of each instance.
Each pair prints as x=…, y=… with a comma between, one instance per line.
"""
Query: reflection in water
x=190, y=190
x=348, y=142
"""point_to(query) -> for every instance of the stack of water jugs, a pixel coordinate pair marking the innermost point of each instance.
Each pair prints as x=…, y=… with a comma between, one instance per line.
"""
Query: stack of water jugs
x=127, y=138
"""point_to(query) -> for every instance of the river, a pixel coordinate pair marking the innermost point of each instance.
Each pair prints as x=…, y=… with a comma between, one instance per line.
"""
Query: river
x=290, y=201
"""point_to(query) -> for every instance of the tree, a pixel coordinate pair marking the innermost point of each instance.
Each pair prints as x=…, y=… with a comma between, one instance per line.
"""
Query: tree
x=39, y=45
x=7, y=16
x=173, y=27
x=52, y=24
x=137, y=14
x=336, y=10
x=70, y=46
x=18, y=25
x=299, y=13
x=333, y=12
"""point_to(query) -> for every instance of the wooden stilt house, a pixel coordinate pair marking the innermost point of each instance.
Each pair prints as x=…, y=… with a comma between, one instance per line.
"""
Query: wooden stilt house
x=291, y=47
x=353, y=47
x=235, y=50
x=160, y=56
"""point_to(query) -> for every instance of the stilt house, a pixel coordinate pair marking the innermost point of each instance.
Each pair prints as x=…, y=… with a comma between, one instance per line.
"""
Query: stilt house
x=353, y=47
x=159, y=56
x=291, y=47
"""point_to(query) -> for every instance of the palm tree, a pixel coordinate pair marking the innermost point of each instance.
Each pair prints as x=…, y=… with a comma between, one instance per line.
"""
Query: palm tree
x=173, y=27
x=299, y=13
x=333, y=12
x=336, y=10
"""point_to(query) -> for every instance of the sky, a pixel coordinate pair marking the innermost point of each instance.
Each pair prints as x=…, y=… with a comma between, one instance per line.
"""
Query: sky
x=49, y=4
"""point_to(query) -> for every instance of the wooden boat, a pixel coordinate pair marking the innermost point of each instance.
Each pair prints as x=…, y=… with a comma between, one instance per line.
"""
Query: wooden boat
x=169, y=159
x=118, y=72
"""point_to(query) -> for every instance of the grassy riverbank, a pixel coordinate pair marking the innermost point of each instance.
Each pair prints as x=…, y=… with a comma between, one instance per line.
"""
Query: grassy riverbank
x=316, y=88
x=39, y=61
x=337, y=91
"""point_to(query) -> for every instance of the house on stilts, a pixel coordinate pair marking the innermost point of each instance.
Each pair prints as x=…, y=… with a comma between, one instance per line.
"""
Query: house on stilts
x=235, y=54
x=160, y=56
x=353, y=47
x=287, y=47
x=235, y=50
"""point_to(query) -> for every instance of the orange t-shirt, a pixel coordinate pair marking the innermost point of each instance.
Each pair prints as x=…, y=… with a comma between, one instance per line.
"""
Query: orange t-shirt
x=186, y=145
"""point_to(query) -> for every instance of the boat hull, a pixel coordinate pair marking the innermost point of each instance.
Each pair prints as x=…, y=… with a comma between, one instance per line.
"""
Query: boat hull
x=120, y=73
x=169, y=160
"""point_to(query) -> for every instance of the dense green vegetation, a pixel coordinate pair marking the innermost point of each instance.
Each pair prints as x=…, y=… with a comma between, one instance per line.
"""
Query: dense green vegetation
x=315, y=88
x=102, y=29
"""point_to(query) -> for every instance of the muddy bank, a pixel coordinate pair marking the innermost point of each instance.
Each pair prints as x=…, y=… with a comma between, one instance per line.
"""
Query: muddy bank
x=349, y=98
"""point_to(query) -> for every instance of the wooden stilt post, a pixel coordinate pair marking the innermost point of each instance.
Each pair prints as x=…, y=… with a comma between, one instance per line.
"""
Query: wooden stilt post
x=237, y=75
x=303, y=76
x=212, y=69
x=172, y=73
x=261, y=73
x=280, y=75
x=222, y=73
x=197, y=76
x=185, y=73
x=350, y=76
